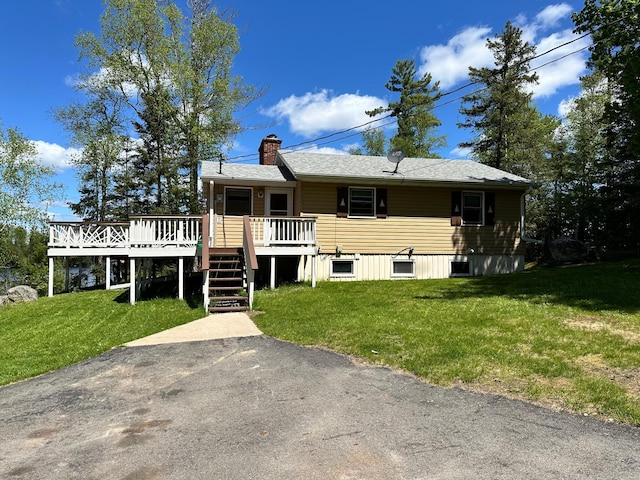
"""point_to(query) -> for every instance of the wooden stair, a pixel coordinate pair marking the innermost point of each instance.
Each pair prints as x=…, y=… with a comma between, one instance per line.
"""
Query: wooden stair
x=226, y=281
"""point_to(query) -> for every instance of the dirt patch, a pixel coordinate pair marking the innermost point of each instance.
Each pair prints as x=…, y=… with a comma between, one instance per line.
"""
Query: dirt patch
x=627, y=378
x=594, y=324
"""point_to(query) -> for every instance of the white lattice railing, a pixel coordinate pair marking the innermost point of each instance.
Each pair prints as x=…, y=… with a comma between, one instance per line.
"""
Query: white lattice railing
x=89, y=235
x=140, y=232
x=274, y=231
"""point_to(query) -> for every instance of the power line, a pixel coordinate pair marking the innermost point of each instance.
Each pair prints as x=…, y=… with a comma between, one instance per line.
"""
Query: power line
x=314, y=142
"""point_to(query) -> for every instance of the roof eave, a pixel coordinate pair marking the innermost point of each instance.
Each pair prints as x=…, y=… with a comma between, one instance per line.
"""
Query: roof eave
x=413, y=182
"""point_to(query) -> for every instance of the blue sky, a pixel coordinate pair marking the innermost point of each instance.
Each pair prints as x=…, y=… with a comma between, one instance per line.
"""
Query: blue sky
x=324, y=64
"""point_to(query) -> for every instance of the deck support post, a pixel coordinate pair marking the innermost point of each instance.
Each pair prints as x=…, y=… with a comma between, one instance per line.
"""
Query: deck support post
x=314, y=264
x=50, y=289
x=107, y=270
x=66, y=274
x=132, y=281
x=181, y=278
x=272, y=280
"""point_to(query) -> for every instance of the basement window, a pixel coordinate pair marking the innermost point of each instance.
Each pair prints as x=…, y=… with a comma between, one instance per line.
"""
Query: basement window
x=342, y=268
x=460, y=269
x=403, y=268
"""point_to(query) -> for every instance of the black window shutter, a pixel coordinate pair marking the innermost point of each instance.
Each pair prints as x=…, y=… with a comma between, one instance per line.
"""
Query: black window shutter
x=489, y=208
x=381, y=201
x=342, y=210
x=456, y=209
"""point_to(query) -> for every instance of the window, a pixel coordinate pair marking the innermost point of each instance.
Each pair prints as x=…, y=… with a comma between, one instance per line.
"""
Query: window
x=472, y=208
x=238, y=201
x=403, y=268
x=362, y=202
x=342, y=268
x=460, y=269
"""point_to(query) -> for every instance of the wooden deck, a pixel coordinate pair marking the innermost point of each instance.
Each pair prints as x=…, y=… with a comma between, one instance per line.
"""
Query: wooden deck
x=174, y=236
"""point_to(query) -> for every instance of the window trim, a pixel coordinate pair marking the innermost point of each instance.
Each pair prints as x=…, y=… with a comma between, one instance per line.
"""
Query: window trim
x=373, y=203
x=481, y=208
x=226, y=189
x=403, y=275
x=340, y=274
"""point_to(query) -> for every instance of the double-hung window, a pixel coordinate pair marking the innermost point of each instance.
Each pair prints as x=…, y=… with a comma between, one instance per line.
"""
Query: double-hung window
x=362, y=202
x=472, y=208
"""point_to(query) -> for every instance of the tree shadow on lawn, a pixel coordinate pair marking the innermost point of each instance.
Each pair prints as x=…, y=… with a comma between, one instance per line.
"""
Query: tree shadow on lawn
x=594, y=287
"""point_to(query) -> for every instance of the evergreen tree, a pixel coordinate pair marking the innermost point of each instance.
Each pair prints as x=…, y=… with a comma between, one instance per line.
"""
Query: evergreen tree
x=510, y=133
x=413, y=111
x=615, y=54
x=584, y=165
x=374, y=143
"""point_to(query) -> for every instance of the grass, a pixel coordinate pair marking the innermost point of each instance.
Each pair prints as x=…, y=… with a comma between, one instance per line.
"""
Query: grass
x=565, y=338
x=50, y=333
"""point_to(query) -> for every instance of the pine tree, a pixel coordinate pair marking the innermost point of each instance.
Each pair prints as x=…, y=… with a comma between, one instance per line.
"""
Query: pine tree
x=413, y=111
x=510, y=133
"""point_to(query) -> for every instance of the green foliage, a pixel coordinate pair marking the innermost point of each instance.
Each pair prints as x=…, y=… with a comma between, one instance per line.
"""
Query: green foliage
x=25, y=186
x=23, y=259
x=53, y=332
x=543, y=335
x=615, y=54
x=510, y=133
x=170, y=75
x=413, y=111
x=374, y=143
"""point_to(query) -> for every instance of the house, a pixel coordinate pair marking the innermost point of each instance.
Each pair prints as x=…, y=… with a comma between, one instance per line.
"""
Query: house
x=299, y=216
x=420, y=218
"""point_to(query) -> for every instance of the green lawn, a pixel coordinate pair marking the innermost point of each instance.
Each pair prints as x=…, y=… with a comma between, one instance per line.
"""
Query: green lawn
x=566, y=338
x=53, y=332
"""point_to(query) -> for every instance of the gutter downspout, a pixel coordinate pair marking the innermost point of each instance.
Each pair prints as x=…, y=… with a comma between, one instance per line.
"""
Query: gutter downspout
x=523, y=236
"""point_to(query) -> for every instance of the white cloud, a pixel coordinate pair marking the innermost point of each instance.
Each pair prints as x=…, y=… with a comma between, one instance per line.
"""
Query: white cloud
x=563, y=71
x=460, y=152
x=449, y=63
x=565, y=106
x=55, y=156
x=313, y=113
x=550, y=16
x=327, y=150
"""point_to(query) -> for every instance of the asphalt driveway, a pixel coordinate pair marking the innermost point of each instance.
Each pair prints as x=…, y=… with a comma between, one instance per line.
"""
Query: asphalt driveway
x=258, y=408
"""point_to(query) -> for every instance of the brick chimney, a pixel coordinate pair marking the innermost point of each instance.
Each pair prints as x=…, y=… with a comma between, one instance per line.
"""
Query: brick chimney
x=268, y=148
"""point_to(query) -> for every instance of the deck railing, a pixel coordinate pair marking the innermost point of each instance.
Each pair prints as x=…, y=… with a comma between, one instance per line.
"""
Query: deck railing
x=165, y=231
x=153, y=231
x=140, y=232
x=88, y=235
x=285, y=231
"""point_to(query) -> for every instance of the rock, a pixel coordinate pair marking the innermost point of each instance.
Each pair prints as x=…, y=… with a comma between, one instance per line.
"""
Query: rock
x=4, y=299
x=568, y=250
x=22, y=293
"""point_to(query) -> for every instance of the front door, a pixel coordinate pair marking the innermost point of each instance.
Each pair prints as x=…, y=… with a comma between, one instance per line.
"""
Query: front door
x=279, y=202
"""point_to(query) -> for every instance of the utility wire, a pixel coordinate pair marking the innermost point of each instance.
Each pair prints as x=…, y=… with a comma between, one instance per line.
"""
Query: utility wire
x=315, y=141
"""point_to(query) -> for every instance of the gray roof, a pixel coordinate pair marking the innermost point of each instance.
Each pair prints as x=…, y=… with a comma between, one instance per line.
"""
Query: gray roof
x=334, y=168
x=245, y=173
x=321, y=167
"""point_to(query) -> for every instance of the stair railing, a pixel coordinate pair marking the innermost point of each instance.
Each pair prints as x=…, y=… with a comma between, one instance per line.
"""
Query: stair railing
x=250, y=258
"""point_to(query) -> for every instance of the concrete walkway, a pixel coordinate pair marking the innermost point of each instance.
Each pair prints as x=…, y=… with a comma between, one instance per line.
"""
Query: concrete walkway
x=220, y=325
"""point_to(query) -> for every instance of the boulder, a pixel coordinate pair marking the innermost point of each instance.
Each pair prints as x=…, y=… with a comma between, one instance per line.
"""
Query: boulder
x=22, y=293
x=4, y=299
x=568, y=250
